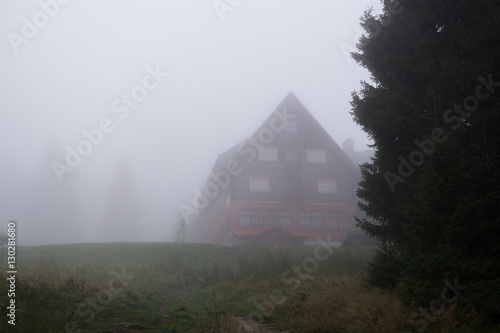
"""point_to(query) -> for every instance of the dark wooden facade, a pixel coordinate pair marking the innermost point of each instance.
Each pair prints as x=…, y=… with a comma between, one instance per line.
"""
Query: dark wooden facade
x=298, y=185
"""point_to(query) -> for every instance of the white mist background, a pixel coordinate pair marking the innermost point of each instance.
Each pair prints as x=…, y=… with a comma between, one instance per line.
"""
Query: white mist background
x=225, y=78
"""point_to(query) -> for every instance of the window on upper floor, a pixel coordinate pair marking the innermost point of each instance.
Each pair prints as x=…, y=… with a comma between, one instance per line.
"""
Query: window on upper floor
x=279, y=218
x=327, y=186
x=336, y=220
x=251, y=218
x=259, y=184
x=269, y=154
x=311, y=220
x=317, y=156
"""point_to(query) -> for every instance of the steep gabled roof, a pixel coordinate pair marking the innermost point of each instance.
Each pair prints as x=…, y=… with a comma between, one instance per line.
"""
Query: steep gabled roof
x=304, y=118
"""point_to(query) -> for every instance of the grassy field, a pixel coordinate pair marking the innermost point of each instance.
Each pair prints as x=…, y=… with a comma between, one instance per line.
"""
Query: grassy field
x=166, y=287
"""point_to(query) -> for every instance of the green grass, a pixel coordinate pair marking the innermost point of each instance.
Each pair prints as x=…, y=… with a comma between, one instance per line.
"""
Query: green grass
x=105, y=287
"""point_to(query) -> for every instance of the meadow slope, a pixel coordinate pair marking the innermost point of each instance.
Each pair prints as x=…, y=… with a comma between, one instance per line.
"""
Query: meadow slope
x=168, y=287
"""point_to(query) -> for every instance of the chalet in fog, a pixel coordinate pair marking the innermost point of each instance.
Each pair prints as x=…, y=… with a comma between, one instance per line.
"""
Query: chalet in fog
x=286, y=185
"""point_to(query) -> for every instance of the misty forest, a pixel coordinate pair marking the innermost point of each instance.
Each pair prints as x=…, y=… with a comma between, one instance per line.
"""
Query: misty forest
x=250, y=166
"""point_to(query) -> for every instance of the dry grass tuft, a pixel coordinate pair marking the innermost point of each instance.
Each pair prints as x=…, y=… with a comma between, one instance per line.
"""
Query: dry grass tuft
x=341, y=304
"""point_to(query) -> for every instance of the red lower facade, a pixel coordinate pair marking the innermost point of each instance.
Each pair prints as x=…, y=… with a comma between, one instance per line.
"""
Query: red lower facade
x=280, y=224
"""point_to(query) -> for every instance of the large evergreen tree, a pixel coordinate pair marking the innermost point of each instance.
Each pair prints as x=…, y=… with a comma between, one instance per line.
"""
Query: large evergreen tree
x=432, y=109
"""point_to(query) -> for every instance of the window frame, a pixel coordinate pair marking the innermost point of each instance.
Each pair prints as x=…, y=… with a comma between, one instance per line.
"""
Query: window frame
x=332, y=187
x=263, y=189
x=337, y=220
x=309, y=219
x=279, y=218
x=251, y=218
x=263, y=151
x=312, y=158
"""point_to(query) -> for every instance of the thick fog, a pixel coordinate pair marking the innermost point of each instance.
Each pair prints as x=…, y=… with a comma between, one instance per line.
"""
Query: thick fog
x=115, y=110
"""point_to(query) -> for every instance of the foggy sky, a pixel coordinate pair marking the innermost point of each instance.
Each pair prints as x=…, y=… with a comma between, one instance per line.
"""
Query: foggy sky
x=225, y=76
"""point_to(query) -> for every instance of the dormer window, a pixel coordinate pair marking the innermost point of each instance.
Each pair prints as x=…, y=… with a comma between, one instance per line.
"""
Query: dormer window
x=316, y=156
x=269, y=154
